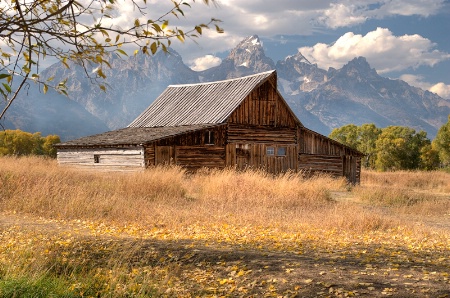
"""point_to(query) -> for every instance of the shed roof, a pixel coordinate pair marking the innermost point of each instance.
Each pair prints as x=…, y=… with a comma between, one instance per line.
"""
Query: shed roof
x=204, y=103
x=133, y=136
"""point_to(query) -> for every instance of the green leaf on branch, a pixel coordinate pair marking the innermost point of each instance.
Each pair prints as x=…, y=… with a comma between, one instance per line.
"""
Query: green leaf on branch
x=165, y=24
x=218, y=29
x=101, y=74
x=153, y=48
x=122, y=52
x=156, y=27
x=7, y=87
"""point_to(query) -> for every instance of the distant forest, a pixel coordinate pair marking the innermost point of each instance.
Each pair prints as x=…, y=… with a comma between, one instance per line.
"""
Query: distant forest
x=396, y=147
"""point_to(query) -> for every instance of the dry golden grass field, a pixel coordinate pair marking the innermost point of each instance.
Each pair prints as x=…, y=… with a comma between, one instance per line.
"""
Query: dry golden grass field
x=166, y=233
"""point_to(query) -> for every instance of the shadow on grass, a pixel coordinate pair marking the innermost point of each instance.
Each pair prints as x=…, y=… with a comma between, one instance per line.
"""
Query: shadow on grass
x=204, y=268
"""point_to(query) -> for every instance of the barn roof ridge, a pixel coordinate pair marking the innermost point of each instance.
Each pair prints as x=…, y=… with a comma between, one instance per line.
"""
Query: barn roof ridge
x=224, y=81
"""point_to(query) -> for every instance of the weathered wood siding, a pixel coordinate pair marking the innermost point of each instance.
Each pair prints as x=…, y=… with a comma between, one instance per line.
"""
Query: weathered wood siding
x=318, y=153
x=313, y=143
x=254, y=156
x=352, y=168
x=261, y=134
x=313, y=163
x=196, y=157
x=114, y=159
x=191, y=150
x=263, y=106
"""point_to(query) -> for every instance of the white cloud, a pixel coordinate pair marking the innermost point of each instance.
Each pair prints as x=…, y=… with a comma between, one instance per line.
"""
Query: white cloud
x=440, y=88
x=288, y=17
x=269, y=18
x=423, y=8
x=346, y=13
x=341, y=15
x=383, y=50
x=415, y=80
x=205, y=62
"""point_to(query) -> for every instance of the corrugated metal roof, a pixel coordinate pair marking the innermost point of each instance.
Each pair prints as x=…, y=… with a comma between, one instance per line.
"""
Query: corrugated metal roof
x=131, y=136
x=204, y=103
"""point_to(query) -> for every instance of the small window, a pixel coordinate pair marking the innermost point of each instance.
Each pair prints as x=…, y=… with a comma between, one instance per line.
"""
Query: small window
x=281, y=151
x=96, y=158
x=209, y=137
x=270, y=151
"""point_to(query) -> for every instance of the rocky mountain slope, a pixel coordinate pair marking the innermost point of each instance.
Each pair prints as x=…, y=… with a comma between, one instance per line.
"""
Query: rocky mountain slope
x=357, y=94
x=131, y=84
x=322, y=99
x=51, y=113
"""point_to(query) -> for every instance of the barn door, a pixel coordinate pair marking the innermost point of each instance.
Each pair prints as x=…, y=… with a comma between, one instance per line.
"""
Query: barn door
x=165, y=155
x=243, y=156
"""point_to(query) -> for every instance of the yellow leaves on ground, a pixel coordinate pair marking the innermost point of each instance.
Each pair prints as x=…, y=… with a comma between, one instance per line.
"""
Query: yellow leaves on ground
x=228, y=260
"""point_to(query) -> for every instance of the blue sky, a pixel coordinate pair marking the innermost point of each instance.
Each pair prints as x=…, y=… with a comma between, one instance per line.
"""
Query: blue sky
x=406, y=39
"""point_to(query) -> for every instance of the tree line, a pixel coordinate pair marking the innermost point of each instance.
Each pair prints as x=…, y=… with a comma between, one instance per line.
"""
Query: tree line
x=396, y=147
x=20, y=143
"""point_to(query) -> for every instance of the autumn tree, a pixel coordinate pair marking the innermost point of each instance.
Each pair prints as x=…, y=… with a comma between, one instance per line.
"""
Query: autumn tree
x=20, y=143
x=429, y=158
x=83, y=32
x=399, y=148
x=442, y=143
x=390, y=148
x=362, y=138
x=347, y=135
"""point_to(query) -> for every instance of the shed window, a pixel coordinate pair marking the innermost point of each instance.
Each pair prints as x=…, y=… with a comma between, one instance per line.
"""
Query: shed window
x=209, y=137
x=281, y=151
x=270, y=151
x=96, y=158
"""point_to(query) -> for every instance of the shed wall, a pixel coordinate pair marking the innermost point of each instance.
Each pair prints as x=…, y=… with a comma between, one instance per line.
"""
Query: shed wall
x=314, y=163
x=115, y=159
x=191, y=150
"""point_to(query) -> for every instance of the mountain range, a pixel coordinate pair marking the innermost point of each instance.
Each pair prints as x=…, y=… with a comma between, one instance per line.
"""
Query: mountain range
x=321, y=99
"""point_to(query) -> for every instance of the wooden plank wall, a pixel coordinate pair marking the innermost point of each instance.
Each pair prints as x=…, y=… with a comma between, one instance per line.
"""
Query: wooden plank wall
x=319, y=153
x=321, y=163
x=313, y=143
x=238, y=133
x=189, y=157
x=189, y=150
x=263, y=106
x=114, y=159
x=196, y=157
x=196, y=137
x=150, y=155
x=244, y=155
x=352, y=168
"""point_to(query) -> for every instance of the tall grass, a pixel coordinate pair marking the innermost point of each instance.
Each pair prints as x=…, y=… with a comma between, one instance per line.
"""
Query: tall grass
x=166, y=204
x=433, y=181
x=39, y=187
x=169, y=196
x=407, y=192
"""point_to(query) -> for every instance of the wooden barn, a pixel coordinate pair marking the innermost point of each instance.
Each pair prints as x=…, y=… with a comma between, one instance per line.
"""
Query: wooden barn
x=241, y=123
